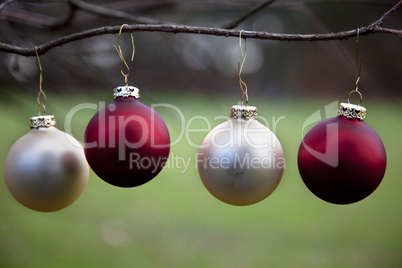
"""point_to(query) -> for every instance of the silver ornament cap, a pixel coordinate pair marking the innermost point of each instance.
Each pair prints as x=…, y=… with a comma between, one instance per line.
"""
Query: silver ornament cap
x=126, y=91
x=352, y=111
x=42, y=121
x=243, y=111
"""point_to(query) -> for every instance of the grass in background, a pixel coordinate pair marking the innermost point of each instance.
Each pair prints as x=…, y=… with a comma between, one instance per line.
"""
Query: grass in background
x=173, y=221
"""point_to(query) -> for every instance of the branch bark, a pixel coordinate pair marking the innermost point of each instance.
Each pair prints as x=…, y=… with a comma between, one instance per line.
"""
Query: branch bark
x=373, y=28
x=386, y=14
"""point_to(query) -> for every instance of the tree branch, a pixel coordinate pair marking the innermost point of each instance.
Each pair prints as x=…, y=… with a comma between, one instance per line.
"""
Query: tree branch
x=169, y=28
x=389, y=31
x=252, y=11
x=386, y=14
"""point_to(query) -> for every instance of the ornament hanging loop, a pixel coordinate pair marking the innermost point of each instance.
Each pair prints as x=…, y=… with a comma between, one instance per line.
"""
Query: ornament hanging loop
x=120, y=53
x=242, y=84
x=41, y=93
x=358, y=70
x=358, y=92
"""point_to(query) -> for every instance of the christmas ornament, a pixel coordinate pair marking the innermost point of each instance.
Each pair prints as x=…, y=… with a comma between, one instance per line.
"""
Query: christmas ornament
x=127, y=142
x=342, y=160
x=45, y=170
x=241, y=161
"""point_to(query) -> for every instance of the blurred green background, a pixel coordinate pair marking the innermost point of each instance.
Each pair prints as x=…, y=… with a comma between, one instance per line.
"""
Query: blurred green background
x=173, y=221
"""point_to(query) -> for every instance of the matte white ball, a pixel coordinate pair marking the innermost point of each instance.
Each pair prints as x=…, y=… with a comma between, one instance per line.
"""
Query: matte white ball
x=241, y=161
x=46, y=169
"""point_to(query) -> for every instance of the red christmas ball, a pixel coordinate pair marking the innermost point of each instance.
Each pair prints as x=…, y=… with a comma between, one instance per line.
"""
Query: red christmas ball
x=126, y=143
x=342, y=160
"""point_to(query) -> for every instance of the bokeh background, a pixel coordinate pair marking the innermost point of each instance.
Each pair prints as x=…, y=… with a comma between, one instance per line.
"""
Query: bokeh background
x=173, y=221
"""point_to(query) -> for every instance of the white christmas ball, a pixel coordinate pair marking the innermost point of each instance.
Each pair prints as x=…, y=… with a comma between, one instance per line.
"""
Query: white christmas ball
x=241, y=161
x=46, y=169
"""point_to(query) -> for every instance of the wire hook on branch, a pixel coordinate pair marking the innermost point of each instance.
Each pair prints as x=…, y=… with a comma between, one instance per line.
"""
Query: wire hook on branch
x=41, y=92
x=242, y=84
x=120, y=53
x=358, y=70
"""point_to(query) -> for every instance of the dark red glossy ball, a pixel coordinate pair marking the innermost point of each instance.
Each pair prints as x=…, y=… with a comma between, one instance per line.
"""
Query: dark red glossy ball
x=126, y=143
x=342, y=160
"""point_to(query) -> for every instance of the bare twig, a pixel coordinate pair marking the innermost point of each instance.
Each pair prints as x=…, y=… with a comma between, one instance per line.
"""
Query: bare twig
x=168, y=28
x=379, y=22
x=251, y=12
x=390, y=31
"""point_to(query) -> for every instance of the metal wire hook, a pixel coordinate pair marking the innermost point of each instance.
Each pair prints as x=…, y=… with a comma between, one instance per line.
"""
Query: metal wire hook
x=120, y=53
x=358, y=70
x=358, y=62
x=240, y=69
x=358, y=92
x=41, y=92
